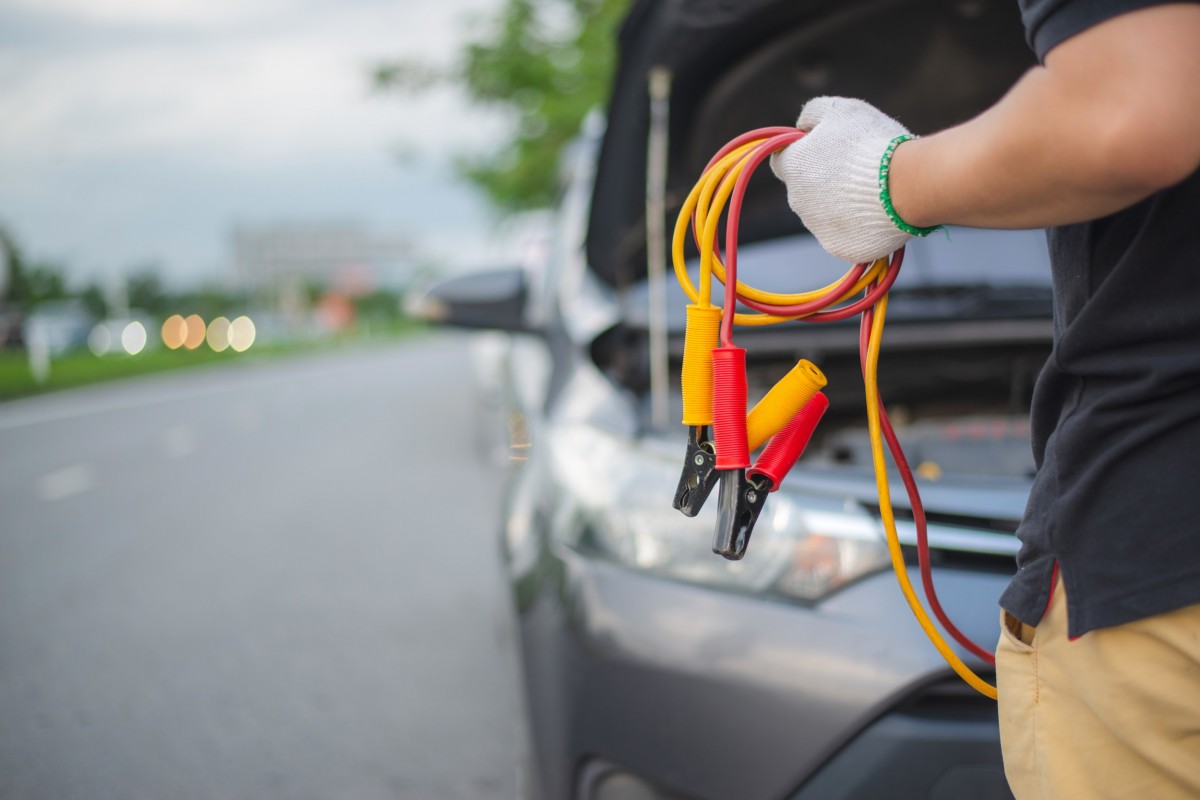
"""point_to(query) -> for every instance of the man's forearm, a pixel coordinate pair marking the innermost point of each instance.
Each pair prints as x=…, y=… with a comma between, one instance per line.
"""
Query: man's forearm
x=1113, y=117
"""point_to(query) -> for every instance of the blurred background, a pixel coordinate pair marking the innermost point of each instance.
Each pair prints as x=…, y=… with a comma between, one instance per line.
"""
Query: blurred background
x=246, y=543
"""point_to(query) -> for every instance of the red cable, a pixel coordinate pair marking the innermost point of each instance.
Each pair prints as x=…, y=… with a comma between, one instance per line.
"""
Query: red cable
x=835, y=294
x=750, y=136
x=811, y=309
x=918, y=509
x=833, y=315
x=756, y=157
x=786, y=447
x=729, y=408
x=733, y=144
x=775, y=139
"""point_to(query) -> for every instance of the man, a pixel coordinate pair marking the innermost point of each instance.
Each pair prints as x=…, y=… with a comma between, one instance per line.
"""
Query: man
x=1099, y=658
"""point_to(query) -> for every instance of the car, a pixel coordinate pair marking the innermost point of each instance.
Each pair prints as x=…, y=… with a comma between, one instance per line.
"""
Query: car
x=652, y=667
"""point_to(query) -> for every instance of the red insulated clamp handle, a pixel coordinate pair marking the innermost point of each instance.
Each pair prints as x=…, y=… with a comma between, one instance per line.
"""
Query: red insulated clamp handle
x=729, y=408
x=785, y=447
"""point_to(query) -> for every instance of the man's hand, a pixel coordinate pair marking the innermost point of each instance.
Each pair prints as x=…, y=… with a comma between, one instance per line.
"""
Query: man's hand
x=833, y=177
x=1113, y=117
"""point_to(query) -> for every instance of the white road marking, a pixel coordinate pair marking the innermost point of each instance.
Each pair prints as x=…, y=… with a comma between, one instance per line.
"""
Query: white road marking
x=66, y=482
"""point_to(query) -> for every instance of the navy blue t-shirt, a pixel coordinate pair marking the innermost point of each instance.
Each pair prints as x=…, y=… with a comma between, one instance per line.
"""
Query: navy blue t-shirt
x=1116, y=410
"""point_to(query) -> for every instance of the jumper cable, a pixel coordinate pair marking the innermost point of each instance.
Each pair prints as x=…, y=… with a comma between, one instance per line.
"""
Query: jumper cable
x=714, y=381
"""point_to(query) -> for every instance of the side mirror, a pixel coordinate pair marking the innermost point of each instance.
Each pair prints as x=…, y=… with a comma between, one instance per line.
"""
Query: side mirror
x=493, y=300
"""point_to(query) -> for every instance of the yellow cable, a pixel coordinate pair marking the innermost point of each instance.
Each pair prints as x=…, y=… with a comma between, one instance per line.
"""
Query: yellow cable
x=696, y=373
x=780, y=404
x=705, y=204
x=871, y=380
x=710, y=225
x=710, y=264
x=705, y=207
x=683, y=225
x=707, y=184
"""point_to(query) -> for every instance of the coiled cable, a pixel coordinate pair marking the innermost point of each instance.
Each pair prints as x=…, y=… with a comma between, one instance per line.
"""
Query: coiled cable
x=863, y=290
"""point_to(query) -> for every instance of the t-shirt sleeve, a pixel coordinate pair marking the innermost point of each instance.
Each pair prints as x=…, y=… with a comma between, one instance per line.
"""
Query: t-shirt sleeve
x=1051, y=22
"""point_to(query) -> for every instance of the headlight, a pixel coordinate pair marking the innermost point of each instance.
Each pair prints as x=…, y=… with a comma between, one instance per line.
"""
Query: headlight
x=622, y=496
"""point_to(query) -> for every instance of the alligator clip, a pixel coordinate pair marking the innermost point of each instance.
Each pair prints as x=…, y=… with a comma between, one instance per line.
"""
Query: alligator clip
x=744, y=492
x=699, y=475
x=741, y=501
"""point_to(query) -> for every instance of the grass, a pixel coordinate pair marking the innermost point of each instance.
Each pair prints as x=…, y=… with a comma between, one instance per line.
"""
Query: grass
x=79, y=368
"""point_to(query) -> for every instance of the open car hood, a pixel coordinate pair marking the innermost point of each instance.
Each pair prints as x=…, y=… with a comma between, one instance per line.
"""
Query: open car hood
x=743, y=64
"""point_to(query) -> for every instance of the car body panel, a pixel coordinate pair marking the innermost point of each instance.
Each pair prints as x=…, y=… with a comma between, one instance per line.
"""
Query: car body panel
x=707, y=693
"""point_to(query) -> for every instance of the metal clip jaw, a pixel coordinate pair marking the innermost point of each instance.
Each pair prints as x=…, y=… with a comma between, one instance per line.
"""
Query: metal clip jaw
x=741, y=503
x=699, y=472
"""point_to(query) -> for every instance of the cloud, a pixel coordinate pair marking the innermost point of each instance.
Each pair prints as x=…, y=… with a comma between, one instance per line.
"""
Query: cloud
x=136, y=107
x=160, y=12
x=294, y=88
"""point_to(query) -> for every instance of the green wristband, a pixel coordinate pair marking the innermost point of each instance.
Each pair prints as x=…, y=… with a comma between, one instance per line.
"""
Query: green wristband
x=885, y=196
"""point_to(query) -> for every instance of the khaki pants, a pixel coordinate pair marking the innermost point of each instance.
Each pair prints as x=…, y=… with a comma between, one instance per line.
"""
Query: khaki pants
x=1113, y=714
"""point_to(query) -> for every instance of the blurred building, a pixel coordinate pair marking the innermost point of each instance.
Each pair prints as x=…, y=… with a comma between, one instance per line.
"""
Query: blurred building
x=280, y=259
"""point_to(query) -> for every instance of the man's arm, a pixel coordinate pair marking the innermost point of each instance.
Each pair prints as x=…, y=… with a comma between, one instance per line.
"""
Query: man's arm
x=1112, y=117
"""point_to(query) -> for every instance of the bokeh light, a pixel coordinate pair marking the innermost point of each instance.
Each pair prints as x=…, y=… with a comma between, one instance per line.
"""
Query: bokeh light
x=133, y=338
x=100, y=340
x=174, y=332
x=195, y=332
x=241, y=334
x=218, y=334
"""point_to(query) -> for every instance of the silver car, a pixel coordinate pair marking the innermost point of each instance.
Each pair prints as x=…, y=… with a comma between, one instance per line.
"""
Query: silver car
x=654, y=668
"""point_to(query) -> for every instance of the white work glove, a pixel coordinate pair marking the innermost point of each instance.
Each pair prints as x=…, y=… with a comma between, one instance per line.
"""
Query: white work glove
x=833, y=178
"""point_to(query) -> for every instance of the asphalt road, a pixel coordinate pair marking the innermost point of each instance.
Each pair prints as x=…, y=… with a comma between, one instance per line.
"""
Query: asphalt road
x=275, y=581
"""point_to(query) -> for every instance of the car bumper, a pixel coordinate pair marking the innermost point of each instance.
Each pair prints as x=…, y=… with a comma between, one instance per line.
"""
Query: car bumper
x=707, y=694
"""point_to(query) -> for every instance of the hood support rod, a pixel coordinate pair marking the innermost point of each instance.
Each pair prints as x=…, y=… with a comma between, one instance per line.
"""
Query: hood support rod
x=656, y=242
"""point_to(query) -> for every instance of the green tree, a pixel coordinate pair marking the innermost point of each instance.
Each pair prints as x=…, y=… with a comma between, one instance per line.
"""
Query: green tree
x=544, y=62
x=145, y=291
x=95, y=300
x=27, y=284
x=43, y=282
x=14, y=268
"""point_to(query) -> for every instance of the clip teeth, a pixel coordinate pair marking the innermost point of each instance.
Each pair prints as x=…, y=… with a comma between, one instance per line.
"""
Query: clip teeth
x=741, y=503
x=699, y=476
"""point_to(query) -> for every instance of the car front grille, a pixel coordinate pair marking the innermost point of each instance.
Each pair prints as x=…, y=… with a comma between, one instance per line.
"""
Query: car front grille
x=960, y=541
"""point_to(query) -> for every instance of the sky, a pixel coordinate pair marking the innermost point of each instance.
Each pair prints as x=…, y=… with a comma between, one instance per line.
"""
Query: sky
x=136, y=132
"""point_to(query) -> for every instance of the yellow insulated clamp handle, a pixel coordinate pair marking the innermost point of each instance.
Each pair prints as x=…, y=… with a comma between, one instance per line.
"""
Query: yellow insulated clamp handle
x=787, y=397
x=703, y=327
